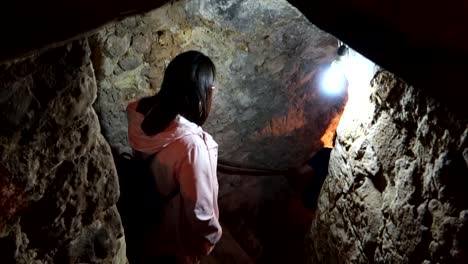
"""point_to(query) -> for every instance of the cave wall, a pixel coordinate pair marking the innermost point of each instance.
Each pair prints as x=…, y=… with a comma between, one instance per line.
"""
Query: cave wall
x=396, y=192
x=58, y=185
x=268, y=57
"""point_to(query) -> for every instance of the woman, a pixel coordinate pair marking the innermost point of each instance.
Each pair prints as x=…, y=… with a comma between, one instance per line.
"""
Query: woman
x=168, y=124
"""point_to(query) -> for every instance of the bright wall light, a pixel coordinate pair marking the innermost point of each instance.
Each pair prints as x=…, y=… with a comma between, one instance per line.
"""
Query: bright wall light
x=334, y=80
x=350, y=71
x=359, y=72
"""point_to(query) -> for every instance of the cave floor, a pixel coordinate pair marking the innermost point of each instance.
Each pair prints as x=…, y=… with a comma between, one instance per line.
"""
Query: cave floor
x=285, y=245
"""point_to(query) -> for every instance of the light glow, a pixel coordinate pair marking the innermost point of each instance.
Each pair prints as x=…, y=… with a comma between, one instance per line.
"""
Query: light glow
x=359, y=72
x=334, y=80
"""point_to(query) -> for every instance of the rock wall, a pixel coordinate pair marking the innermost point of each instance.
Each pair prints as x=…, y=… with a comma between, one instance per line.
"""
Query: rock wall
x=396, y=192
x=268, y=57
x=58, y=185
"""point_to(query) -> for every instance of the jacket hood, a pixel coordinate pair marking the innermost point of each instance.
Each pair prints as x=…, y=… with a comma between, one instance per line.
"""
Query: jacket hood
x=139, y=141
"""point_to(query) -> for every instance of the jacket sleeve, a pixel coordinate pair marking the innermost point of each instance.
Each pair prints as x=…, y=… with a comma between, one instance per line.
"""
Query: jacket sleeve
x=201, y=229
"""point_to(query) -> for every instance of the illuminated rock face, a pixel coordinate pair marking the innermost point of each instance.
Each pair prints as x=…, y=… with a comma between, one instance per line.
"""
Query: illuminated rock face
x=58, y=185
x=396, y=192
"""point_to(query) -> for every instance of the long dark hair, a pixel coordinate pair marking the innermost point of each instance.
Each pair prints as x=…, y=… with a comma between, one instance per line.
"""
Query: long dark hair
x=186, y=90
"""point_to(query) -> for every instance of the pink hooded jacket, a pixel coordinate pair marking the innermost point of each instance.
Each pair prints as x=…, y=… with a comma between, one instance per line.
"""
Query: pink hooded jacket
x=186, y=159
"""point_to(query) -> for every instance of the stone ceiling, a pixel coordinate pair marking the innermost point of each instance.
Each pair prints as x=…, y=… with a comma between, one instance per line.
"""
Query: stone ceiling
x=423, y=41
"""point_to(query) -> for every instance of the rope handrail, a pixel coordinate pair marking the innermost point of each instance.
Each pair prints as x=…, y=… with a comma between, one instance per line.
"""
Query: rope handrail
x=230, y=167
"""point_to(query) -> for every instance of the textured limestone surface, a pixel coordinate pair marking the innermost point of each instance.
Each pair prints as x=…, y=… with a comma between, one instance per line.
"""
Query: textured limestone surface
x=397, y=186
x=268, y=110
x=58, y=185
